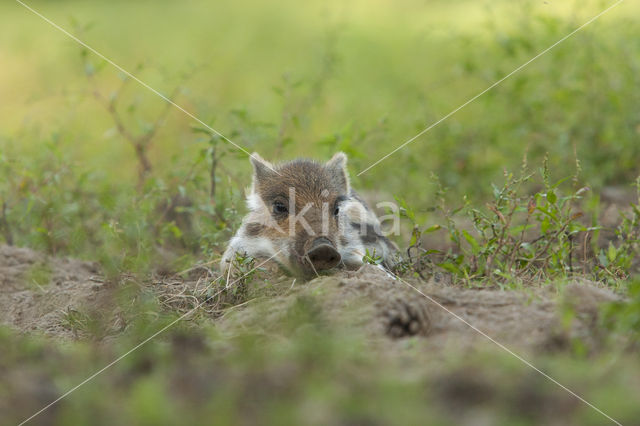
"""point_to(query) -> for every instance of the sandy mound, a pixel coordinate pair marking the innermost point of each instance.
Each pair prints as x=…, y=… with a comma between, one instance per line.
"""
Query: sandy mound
x=36, y=290
x=38, y=293
x=372, y=303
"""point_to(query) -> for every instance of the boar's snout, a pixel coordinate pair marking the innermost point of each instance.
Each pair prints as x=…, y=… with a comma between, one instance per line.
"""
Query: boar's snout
x=323, y=255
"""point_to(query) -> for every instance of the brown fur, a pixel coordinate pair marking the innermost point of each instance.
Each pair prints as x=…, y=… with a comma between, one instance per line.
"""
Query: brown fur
x=314, y=183
x=293, y=204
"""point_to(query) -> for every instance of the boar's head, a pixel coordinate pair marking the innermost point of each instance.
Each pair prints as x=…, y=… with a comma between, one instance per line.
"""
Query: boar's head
x=296, y=207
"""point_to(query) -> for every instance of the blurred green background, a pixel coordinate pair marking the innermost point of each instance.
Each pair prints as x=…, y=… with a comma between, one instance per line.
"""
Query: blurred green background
x=375, y=73
x=292, y=79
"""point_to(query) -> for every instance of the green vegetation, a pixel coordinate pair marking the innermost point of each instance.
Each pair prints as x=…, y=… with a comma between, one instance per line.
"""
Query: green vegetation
x=526, y=237
x=513, y=191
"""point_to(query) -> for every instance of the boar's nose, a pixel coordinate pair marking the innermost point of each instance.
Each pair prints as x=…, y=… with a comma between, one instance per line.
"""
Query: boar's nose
x=323, y=255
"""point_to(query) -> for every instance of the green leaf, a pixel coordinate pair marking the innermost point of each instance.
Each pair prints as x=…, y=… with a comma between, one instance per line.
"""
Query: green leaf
x=552, y=197
x=545, y=225
x=177, y=233
x=475, y=247
x=603, y=259
x=432, y=229
x=414, y=236
x=548, y=213
x=450, y=267
x=612, y=253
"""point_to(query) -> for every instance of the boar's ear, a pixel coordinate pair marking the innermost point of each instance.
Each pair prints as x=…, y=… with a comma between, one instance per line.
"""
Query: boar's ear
x=262, y=169
x=337, y=168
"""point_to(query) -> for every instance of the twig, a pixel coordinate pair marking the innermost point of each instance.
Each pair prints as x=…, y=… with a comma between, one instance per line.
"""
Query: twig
x=516, y=247
x=140, y=143
x=586, y=240
x=570, y=238
x=501, y=241
x=212, y=174
x=8, y=235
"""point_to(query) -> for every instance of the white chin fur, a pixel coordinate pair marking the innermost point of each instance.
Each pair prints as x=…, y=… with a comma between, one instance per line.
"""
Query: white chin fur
x=352, y=255
x=259, y=247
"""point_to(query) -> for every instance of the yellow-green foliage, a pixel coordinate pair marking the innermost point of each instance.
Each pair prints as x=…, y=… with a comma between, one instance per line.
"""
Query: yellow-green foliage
x=356, y=77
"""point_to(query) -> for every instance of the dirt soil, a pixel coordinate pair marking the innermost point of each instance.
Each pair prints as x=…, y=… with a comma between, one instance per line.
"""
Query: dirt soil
x=37, y=292
x=388, y=310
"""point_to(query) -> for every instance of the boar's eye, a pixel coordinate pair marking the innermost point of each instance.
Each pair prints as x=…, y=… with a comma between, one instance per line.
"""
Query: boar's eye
x=280, y=208
x=336, y=205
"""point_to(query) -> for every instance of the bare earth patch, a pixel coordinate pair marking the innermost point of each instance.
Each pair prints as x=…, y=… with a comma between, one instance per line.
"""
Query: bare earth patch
x=380, y=307
x=37, y=292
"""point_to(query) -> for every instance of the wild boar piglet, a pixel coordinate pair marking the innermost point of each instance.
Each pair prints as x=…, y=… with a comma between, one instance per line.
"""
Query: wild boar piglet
x=305, y=217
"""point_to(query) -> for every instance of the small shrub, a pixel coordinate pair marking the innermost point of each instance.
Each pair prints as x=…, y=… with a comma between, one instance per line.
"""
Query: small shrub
x=523, y=236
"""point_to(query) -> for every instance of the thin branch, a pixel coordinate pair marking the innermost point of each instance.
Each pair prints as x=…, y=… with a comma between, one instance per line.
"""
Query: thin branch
x=8, y=235
x=212, y=174
x=139, y=143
